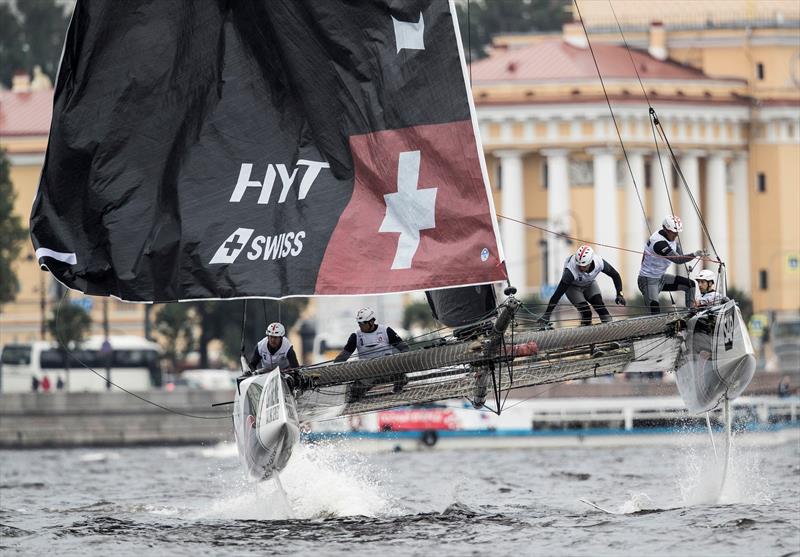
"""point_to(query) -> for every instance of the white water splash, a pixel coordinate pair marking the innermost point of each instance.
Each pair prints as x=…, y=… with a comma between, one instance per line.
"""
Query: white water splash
x=322, y=480
x=98, y=457
x=701, y=479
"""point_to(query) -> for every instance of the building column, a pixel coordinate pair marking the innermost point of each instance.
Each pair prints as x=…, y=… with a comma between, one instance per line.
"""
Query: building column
x=512, y=205
x=606, y=213
x=661, y=195
x=558, y=210
x=635, y=222
x=717, y=203
x=741, y=225
x=692, y=235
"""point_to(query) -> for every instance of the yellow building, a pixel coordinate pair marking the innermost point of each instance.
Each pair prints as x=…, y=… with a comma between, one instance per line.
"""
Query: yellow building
x=726, y=88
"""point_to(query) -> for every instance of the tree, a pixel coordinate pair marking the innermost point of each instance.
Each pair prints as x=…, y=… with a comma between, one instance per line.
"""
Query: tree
x=480, y=20
x=11, y=231
x=745, y=302
x=44, y=27
x=419, y=314
x=223, y=320
x=12, y=54
x=69, y=326
x=175, y=324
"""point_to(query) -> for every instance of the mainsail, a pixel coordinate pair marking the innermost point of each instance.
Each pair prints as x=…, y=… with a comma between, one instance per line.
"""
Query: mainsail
x=266, y=148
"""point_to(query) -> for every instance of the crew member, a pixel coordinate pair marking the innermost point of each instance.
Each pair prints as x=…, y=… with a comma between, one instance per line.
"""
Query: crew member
x=274, y=350
x=579, y=284
x=660, y=251
x=708, y=293
x=372, y=341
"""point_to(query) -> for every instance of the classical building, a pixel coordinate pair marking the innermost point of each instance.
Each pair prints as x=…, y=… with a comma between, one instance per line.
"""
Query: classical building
x=728, y=99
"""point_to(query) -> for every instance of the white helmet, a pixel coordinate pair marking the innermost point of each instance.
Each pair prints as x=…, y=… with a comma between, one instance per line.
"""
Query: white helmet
x=364, y=315
x=276, y=330
x=584, y=255
x=672, y=223
x=707, y=275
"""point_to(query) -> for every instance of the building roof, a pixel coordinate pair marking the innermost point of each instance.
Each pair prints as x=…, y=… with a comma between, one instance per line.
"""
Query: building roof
x=25, y=113
x=556, y=60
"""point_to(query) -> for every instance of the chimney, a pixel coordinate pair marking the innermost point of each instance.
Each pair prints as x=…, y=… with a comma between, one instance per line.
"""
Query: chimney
x=658, y=41
x=21, y=82
x=573, y=35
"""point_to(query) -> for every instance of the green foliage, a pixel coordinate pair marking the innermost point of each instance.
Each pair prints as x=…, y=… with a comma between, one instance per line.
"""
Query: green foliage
x=31, y=36
x=419, y=314
x=223, y=320
x=69, y=325
x=480, y=20
x=745, y=302
x=11, y=231
x=175, y=324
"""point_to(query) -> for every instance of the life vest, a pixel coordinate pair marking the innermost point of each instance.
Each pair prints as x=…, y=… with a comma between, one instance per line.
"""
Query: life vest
x=654, y=265
x=710, y=298
x=584, y=278
x=279, y=358
x=374, y=344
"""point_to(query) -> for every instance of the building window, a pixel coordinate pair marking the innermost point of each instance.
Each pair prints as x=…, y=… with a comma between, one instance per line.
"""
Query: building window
x=762, y=279
x=498, y=175
x=545, y=174
x=760, y=70
x=762, y=182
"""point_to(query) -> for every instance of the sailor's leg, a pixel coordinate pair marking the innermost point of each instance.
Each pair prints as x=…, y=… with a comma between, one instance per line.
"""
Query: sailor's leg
x=650, y=289
x=578, y=299
x=673, y=283
x=592, y=293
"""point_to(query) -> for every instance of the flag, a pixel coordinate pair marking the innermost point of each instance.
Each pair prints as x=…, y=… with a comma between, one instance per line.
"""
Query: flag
x=267, y=148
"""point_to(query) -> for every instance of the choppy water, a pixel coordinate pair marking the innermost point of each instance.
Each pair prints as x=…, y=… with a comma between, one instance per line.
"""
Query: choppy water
x=194, y=501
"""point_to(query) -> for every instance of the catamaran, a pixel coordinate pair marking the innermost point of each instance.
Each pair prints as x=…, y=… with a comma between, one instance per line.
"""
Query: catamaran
x=269, y=149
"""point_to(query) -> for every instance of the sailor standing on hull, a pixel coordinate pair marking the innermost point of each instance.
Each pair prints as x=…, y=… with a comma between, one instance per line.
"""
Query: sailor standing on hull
x=660, y=251
x=372, y=341
x=274, y=350
x=578, y=283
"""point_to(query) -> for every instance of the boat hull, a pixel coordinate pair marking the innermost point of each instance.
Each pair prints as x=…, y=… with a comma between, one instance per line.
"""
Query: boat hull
x=265, y=424
x=719, y=360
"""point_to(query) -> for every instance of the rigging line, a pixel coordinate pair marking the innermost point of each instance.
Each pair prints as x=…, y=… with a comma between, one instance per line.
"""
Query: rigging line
x=613, y=118
x=627, y=47
x=660, y=128
x=244, y=322
x=663, y=135
x=655, y=120
x=666, y=188
x=708, y=259
x=108, y=381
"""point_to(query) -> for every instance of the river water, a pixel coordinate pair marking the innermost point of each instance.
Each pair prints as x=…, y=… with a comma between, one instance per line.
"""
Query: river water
x=194, y=501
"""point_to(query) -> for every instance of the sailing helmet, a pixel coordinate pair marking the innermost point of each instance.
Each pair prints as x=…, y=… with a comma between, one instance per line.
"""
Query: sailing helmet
x=365, y=315
x=672, y=223
x=276, y=330
x=706, y=275
x=584, y=255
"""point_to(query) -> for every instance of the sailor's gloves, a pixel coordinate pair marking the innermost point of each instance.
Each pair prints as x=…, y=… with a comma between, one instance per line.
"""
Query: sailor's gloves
x=620, y=299
x=700, y=253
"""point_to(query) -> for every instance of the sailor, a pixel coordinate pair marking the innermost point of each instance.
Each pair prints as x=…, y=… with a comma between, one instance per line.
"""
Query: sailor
x=579, y=284
x=274, y=350
x=708, y=294
x=660, y=251
x=372, y=341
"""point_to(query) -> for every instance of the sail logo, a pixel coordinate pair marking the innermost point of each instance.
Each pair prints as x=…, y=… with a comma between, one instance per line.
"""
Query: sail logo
x=245, y=181
x=728, y=328
x=266, y=248
x=409, y=211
